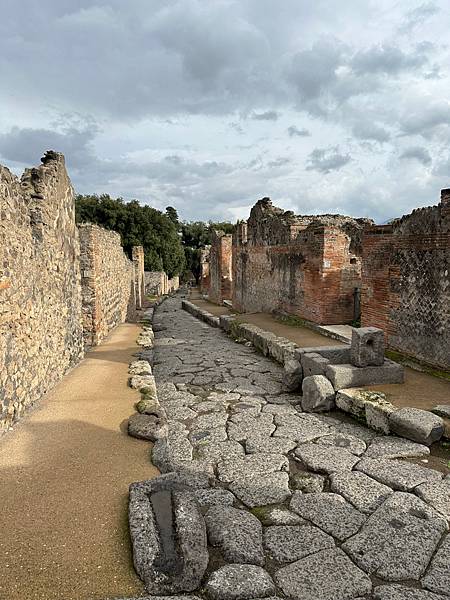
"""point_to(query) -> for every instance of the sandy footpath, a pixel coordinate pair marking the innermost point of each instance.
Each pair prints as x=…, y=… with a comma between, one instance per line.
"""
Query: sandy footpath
x=64, y=476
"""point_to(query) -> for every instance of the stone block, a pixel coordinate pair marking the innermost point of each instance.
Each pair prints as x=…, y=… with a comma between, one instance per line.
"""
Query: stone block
x=226, y=322
x=314, y=364
x=337, y=355
x=347, y=376
x=417, y=425
x=292, y=375
x=367, y=348
x=318, y=394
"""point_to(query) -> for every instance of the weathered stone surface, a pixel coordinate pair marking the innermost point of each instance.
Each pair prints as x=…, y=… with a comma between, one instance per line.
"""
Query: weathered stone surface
x=367, y=347
x=314, y=364
x=232, y=469
x=344, y=440
x=301, y=430
x=442, y=410
x=143, y=383
x=399, y=475
x=287, y=543
x=237, y=533
x=214, y=435
x=170, y=453
x=326, y=575
x=261, y=490
x=149, y=405
x=156, y=521
x=238, y=582
x=330, y=512
x=318, y=394
x=399, y=592
x=239, y=431
x=418, y=425
x=398, y=540
x=147, y=427
x=308, y=483
x=437, y=578
x=437, y=495
x=292, y=375
x=348, y=376
x=363, y=492
x=265, y=444
x=213, y=497
x=326, y=459
x=140, y=367
x=278, y=515
x=395, y=447
x=216, y=451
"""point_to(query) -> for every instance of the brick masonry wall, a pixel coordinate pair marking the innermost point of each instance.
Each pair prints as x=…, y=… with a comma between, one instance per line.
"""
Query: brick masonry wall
x=406, y=283
x=40, y=289
x=110, y=287
x=157, y=283
x=305, y=266
x=220, y=268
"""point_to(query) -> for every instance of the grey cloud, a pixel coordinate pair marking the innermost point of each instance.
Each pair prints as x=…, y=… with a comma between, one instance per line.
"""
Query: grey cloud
x=417, y=153
x=269, y=115
x=366, y=130
x=387, y=59
x=425, y=120
x=325, y=160
x=417, y=16
x=279, y=162
x=294, y=131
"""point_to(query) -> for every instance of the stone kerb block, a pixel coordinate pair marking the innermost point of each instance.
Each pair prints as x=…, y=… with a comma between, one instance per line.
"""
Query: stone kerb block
x=348, y=376
x=417, y=425
x=318, y=394
x=367, y=347
x=314, y=364
x=226, y=322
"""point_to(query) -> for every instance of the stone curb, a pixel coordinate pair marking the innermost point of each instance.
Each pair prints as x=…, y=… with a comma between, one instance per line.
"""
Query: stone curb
x=368, y=406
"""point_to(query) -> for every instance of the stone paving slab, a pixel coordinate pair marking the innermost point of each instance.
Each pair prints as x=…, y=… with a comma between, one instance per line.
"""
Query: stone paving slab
x=287, y=490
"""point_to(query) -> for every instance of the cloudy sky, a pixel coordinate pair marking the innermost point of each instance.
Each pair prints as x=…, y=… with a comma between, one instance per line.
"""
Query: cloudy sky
x=208, y=105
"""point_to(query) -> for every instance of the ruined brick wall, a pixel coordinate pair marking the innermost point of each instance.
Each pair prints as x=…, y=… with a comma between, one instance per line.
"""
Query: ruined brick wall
x=204, y=269
x=156, y=283
x=406, y=283
x=40, y=292
x=109, y=287
x=220, y=267
x=307, y=266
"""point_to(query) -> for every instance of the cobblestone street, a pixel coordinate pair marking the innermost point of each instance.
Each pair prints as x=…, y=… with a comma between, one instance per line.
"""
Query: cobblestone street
x=295, y=504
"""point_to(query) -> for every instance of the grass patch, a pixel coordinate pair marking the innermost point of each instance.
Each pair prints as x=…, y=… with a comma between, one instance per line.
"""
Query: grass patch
x=291, y=320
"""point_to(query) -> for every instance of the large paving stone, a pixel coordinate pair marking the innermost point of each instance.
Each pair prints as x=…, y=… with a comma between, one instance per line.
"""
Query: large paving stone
x=214, y=497
x=261, y=425
x=395, y=447
x=239, y=582
x=437, y=495
x=398, y=540
x=331, y=512
x=397, y=474
x=169, y=453
x=215, y=451
x=326, y=459
x=418, y=425
x=168, y=535
x=437, y=578
x=278, y=515
x=277, y=445
x=344, y=440
x=326, y=575
x=399, y=592
x=288, y=543
x=147, y=427
x=237, y=533
x=359, y=489
x=300, y=429
x=235, y=468
x=261, y=490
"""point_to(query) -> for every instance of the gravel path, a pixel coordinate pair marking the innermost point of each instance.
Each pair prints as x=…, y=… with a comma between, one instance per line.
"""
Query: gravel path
x=291, y=504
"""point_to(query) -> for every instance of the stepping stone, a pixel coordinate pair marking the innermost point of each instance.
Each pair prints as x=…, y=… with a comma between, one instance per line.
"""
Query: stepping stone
x=261, y=490
x=345, y=441
x=326, y=459
x=398, y=540
x=395, y=447
x=214, y=497
x=326, y=575
x=398, y=592
x=288, y=543
x=362, y=491
x=239, y=582
x=436, y=495
x=437, y=578
x=330, y=512
x=235, y=468
x=237, y=533
x=416, y=424
x=399, y=475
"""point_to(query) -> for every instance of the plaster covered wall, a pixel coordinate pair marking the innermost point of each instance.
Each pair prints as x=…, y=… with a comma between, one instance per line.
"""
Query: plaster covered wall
x=406, y=283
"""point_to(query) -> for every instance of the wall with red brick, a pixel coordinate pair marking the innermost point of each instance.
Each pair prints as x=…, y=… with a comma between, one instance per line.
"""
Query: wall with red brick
x=220, y=267
x=406, y=282
x=307, y=266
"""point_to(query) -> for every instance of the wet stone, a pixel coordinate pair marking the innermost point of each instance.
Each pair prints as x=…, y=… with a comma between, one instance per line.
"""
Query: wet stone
x=239, y=582
x=261, y=490
x=287, y=543
x=331, y=512
x=362, y=491
x=398, y=540
x=326, y=459
x=399, y=475
x=237, y=533
x=395, y=447
x=326, y=575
